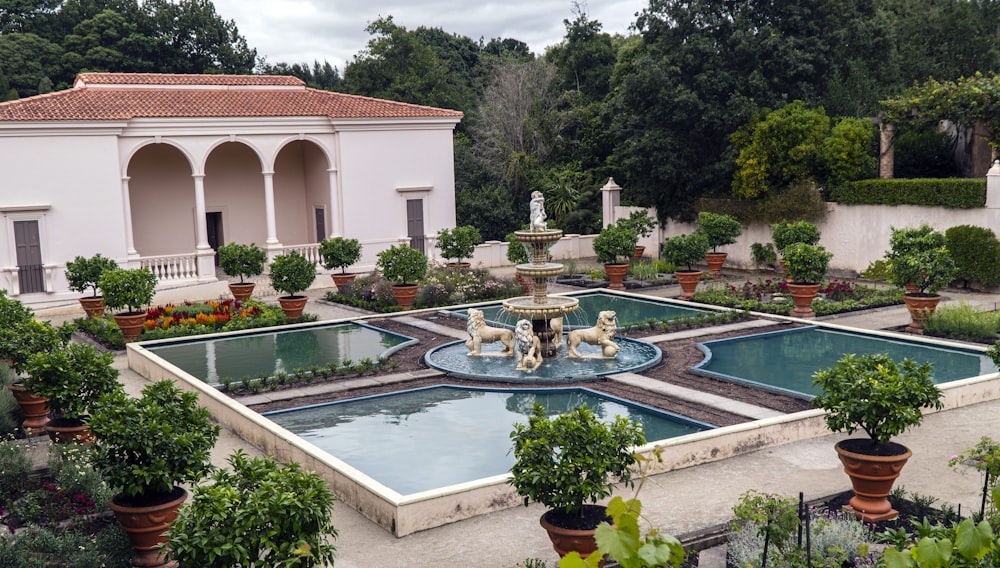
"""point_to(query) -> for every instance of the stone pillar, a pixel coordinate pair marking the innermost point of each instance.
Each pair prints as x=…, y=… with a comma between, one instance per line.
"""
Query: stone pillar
x=993, y=186
x=269, y=212
x=205, y=256
x=886, y=154
x=129, y=234
x=983, y=154
x=611, y=196
x=336, y=204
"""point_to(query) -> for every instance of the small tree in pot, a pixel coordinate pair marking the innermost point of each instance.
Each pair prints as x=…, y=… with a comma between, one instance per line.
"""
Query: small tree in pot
x=614, y=245
x=919, y=261
x=806, y=265
x=131, y=289
x=83, y=274
x=339, y=252
x=884, y=399
x=292, y=273
x=787, y=233
x=720, y=230
x=404, y=266
x=73, y=378
x=568, y=460
x=643, y=225
x=145, y=448
x=244, y=261
x=458, y=243
x=686, y=250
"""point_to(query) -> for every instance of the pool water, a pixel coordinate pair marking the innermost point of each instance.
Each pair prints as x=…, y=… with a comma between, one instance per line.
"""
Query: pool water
x=784, y=361
x=256, y=353
x=430, y=438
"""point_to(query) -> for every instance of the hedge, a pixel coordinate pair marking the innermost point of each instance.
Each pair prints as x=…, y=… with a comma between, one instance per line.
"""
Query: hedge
x=953, y=193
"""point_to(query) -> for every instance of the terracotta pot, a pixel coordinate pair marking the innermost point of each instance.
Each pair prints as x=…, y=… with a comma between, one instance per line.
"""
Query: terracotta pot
x=69, y=431
x=565, y=541
x=802, y=296
x=293, y=305
x=921, y=308
x=241, y=292
x=459, y=265
x=616, y=274
x=145, y=527
x=639, y=250
x=35, y=410
x=715, y=260
x=93, y=305
x=131, y=324
x=688, y=279
x=405, y=294
x=340, y=280
x=872, y=478
x=526, y=283
x=911, y=288
x=781, y=266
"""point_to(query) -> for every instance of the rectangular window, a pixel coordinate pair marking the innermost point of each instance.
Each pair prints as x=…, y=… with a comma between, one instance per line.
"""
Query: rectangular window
x=415, y=223
x=320, y=224
x=30, y=273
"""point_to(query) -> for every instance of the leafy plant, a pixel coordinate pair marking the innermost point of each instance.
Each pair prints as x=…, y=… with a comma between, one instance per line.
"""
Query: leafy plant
x=918, y=256
x=458, y=243
x=402, y=264
x=127, y=288
x=963, y=322
x=788, y=233
x=292, y=273
x=339, y=252
x=685, y=250
x=763, y=253
x=615, y=244
x=241, y=260
x=145, y=446
x=639, y=221
x=260, y=514
x=73, y=378
x=873, y=393
x=83, y=273
x=564, y=461
x=516, y=253
x=976, y=252
x=720, y=229
x=806, y=264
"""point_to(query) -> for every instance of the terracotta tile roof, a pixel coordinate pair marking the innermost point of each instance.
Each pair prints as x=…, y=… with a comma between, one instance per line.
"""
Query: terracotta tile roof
x=122, y=96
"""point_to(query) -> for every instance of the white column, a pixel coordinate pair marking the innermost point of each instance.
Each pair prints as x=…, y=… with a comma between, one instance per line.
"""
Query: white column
x=201, y=230
x=272, y=224
x=336, y=205
x=611, y=195
x=993, y=186
x=127, y=205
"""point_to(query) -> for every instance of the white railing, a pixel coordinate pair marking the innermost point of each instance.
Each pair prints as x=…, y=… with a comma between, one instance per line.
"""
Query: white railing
x=172, y=267
x=310, y=251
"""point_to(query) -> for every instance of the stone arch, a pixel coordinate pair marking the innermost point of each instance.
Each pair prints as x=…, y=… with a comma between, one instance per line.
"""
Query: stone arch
x=304, y=203
x=234, y=193
x=161, y=199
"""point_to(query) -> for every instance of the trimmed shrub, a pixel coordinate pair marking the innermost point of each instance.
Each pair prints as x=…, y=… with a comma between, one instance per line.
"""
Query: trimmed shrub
x=952, y=193
x=976, y=252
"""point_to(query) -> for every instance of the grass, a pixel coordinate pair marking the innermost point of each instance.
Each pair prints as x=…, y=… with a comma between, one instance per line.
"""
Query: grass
x=963, y=322
x=771, y=296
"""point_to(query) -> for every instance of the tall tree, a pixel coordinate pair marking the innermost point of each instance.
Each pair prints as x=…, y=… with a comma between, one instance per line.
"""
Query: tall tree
x=193, y=38
x=26, y=59
x=584, y=59
x=26, y=16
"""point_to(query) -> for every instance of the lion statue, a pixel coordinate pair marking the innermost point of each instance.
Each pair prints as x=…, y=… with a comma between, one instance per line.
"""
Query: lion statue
x=480, y=333
x=602, y=334
x=556, y=325
x=527, y=347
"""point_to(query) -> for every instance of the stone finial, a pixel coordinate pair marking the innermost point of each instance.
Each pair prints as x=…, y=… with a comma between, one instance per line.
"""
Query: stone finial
x=995, y=170
x=611, y=185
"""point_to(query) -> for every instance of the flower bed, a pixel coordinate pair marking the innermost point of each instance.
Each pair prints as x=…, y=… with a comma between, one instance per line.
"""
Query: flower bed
x=771, y=296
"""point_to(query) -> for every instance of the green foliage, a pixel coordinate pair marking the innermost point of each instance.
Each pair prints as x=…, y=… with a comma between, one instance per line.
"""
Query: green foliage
x=776, y=515
x=719, y=229
x=127, y=288
x=984, y=456
x=801, y=201
x=623, y=542
x=787, y=233
x=292, y=273
x=976, y=252
x=805, y=263
x=458, y=243
x=919, y=256
x=685, y=250
x=873, y=393
x=490, y=207
x=145, y=446
x=963, y=322
x=923, y=153
x=19, y=342
x=14, y=468
x=640, y=222
x=615, y=244
x=339, y=252
x=876, y=270
x=564, y=461
x=83, y=273
x=763, y=253
x=241, y=260
x=259, y=514
x=73, y=378
x=967, y=100
x=516, y=252
x=80, y=547
x=8, y=404
x=953, y=193
x=402, y=264
x=847, y=153
x=968, y=544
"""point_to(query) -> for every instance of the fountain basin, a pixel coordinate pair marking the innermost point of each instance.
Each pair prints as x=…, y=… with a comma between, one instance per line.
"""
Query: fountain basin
x=527, y=307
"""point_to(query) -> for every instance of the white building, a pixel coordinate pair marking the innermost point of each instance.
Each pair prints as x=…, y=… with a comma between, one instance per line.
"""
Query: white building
x=158, y=170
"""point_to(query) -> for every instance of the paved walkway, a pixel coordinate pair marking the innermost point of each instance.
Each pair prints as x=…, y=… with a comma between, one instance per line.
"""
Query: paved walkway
x=678, y=502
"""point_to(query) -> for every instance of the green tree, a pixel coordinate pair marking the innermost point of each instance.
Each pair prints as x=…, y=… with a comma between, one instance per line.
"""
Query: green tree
x=26, y=16
x=192, y=38
x=98, y=43
x=585, y=58
x=27, y=58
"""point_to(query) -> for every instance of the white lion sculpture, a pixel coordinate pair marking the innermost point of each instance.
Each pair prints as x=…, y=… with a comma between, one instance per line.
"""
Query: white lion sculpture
x=480, y=333
x=556, y=325
x=527, y=347
x=602, y=334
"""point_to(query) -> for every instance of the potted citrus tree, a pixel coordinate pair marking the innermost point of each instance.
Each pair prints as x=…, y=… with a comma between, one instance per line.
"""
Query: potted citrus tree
x=82, y=274
x=339, y=252
x=874, y=394
x=788, y=233
x=458, y=243
x=131, y=290
x=518, y=254
x=806, y=265
x=720, y=230
x=404, y=266
x=292, y=274
x=568, y=463
x=685, y=250
x=639, y=221
x=614, y=245
x=919, y=262
x=243, y=261
x=22, y=336
x=73, y=378
x=146, y=447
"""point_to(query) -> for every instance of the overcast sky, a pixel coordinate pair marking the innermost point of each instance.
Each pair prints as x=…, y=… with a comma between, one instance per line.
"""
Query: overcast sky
x=297, y=31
